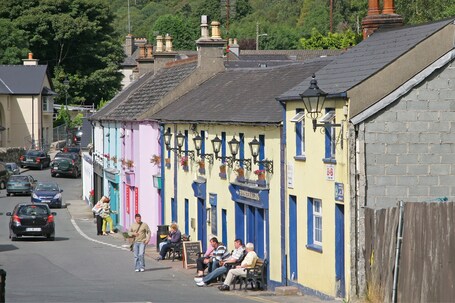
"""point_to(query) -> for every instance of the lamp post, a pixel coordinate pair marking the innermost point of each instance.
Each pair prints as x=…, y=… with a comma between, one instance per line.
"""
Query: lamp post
x=258, y=35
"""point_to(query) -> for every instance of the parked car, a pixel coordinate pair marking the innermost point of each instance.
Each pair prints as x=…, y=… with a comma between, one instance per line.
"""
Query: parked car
x=31, y=219
x=4, y=175
x=35, y=158
x=20, y=184
x=66, y=163
x=13, y=168
x=72, y=149
x=48, y=193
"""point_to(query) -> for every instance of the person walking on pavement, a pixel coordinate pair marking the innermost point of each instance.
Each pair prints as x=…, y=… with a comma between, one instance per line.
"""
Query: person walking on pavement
x=106, y=215
x=97, y=209
x=140, y=231
x=249, y=262
x=235, y=257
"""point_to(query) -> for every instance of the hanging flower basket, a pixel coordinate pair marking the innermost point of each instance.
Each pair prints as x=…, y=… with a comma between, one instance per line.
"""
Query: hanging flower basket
x=155, y=160
x=260, y=173
x=167, y=162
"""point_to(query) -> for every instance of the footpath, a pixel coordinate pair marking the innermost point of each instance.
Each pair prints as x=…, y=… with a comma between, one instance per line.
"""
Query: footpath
x=84, y=222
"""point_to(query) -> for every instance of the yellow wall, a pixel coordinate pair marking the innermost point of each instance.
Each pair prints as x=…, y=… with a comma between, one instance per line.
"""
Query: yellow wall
x=316, y=270
x=219, y=186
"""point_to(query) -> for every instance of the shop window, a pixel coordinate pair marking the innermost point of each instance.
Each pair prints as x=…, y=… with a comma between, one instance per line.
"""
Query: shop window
x=299, y=120
x=314, y=224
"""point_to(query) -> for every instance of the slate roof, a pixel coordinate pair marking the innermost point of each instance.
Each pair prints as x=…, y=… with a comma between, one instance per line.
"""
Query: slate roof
x=240, y=95
x=367, y=58
x=143, y=94
x=131, y=60
x=22, y=79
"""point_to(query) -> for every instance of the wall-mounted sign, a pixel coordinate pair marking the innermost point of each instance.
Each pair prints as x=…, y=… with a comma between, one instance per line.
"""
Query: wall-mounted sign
x=330, y=172
x=339, y=191
x=290, y=174
x=127, y=198
x=136, y=200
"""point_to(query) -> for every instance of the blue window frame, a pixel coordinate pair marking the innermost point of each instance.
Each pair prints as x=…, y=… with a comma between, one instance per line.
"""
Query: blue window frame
x=299, y=120
x=314, y=228
x=213, y=199
x=330, y=140
x=173, y=210
x=187, y=217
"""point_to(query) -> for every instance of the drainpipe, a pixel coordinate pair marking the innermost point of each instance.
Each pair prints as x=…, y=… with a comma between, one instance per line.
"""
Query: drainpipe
x=398, y=249
x=163, y=174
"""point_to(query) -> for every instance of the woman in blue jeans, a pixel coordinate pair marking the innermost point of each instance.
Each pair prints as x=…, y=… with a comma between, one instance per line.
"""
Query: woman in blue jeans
x=140, y=231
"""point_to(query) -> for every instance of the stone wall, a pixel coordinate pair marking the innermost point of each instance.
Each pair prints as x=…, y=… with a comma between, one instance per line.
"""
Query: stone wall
x=410, y=146
x=11, y=154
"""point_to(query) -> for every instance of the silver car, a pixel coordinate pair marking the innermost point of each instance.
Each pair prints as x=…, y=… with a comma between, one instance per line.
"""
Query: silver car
x=13, y=168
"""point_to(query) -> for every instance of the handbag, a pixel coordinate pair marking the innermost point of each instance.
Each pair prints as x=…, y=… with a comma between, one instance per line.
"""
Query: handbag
x=132, y=244
x=96, y=209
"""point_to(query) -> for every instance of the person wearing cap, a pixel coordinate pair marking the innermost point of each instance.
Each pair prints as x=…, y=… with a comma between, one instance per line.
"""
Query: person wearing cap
x=140, y=232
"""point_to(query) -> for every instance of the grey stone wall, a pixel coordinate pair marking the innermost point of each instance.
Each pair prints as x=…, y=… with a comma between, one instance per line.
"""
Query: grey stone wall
x=11, y=154
x=410, y=146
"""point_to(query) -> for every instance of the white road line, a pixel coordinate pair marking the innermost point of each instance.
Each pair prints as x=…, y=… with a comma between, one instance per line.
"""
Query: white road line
x=93, y=240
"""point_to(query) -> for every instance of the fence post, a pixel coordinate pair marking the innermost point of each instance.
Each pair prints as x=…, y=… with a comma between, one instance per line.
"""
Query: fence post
x=397, y=253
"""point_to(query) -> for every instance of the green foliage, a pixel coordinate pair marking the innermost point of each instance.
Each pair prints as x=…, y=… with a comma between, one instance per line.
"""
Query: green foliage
x=421, y=11
x=182, y=32
x=13, y=45
x=64, y=118
x=75, y=39
x=330, y=41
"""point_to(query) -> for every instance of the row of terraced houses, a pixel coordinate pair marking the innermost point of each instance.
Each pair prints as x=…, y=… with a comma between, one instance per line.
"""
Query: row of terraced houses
x=226, y=144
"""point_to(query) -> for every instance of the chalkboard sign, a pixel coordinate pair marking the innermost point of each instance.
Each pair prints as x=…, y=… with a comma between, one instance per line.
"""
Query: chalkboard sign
x=191, y=252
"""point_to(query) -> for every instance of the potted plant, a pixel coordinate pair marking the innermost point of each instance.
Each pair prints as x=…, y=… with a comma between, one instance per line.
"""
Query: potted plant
x=184, y=162
x=114, y=159
x=201, y=164
x=130, y=164
x=240, y=174
x=260, y=173
x=167, y=162
x=156, y=160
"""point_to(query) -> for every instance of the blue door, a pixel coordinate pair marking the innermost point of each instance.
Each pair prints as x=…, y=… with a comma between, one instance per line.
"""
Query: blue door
x=293, y=237
x=113, y=194
x=202, y=223
x=339, y=250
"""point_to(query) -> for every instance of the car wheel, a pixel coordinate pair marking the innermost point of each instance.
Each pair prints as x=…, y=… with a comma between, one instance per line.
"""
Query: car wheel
x=50, y=237
x=53, y=175
x=12, y=236
x=8, y=194
x=41, y=166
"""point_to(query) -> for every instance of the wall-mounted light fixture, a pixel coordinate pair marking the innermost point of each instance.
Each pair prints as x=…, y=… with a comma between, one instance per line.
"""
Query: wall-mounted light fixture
x=313, y=100
x=234, y=145
x=254, y=146
x=216, y=144
x=197, y=145
x=180, y=140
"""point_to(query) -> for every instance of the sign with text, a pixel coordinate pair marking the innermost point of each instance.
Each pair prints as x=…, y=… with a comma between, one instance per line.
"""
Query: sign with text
x=191, y=252
x=339, y=191
x=330, y=172
x=136, y=200
x=127, y=198
x=290, y=174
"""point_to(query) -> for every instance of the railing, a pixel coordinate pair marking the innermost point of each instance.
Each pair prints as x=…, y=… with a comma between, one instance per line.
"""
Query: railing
x=60, y=133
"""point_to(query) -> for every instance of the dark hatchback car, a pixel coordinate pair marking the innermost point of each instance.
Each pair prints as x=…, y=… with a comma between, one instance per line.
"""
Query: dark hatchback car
x=48, y=193
x=13, y=168
x=31, y=219
x=20, y=184
x=35, y=158
x=66, y=164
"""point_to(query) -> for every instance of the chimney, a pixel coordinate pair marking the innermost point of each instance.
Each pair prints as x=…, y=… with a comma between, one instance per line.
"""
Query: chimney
x=148, y=51
x=162, y=56
x=234, y=47
x=168, y=40
x=375, y=19
x=129, y=45
x=30, y=60
x=210, y=49
x=142, y=51
x=159, y=44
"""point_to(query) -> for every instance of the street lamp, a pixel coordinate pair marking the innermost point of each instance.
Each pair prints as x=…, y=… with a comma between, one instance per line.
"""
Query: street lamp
x=258, y=35
x=313, y=100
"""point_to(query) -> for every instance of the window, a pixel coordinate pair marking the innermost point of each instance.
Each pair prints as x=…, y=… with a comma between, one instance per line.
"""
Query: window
x=48, y=104
x=314, y=224
x=299, y=120
x=330, y=136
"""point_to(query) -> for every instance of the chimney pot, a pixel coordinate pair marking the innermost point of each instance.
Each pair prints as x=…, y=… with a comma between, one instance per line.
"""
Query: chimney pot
x=30, y=56
x=204, y=27
x=168, y=40
x=215, y=30
x=142, y=50
x=159, y=44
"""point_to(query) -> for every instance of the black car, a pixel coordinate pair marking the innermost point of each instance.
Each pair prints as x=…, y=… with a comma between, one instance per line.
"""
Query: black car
x=68, y=164
x=35, y=158
x=31, y=219
x=4, y=175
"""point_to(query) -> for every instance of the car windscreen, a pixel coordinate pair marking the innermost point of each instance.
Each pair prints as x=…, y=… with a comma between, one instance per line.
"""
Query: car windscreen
x=33, y=210
x=18, y=179
x=33, y=153
x=47, y=187
x=64, y=155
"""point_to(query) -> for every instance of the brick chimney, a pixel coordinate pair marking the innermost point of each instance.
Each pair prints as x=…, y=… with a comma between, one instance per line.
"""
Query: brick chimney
x=375, y=19
x=30, y=60
x=234, y=47
x=210, y=49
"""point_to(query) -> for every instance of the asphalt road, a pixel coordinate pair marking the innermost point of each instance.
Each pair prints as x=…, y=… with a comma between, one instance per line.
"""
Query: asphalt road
x=82, y=267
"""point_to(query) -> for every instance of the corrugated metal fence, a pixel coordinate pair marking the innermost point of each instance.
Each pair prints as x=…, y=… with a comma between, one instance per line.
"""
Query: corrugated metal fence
x=426, y=271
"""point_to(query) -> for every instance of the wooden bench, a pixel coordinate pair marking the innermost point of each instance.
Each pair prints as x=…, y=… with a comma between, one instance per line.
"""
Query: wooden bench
x=256, y=276
x=176, y=249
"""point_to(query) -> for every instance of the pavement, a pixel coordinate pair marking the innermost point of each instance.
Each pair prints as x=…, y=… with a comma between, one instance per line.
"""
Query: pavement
x=84, y=222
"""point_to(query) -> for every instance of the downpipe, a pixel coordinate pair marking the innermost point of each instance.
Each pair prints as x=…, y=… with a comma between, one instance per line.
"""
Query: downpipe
x=398, y=249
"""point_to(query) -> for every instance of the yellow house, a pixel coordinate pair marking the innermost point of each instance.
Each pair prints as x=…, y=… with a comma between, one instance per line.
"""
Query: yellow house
x=224, y=150
x=317, y=191
x=26, y=105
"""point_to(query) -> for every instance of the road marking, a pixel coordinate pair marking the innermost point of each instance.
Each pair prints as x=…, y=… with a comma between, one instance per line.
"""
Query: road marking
x=93, y=240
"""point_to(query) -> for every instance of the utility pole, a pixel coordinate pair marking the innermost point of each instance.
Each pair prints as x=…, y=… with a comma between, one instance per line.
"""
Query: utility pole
x=331, y=16
x=258, y=35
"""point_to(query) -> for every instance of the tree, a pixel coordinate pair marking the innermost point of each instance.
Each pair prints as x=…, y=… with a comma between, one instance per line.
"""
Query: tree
x=330, y=41
x=13, y=45
x=180, y=29
x=76, y=39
